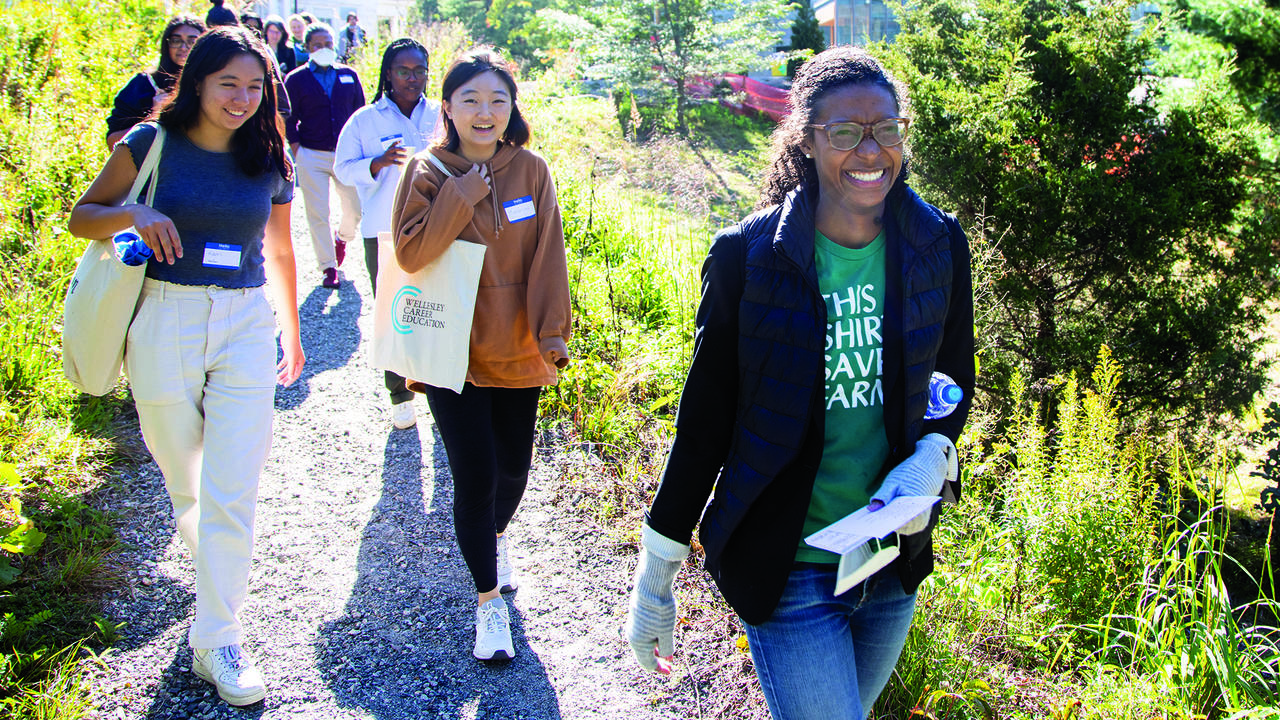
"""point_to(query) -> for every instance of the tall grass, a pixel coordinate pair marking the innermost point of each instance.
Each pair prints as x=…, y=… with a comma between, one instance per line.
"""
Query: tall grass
x=60, y=65
x=1073, y=583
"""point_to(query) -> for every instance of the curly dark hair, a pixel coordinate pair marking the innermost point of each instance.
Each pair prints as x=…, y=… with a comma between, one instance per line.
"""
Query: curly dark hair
x=827, y=71
x=472, y=63
x=389, y=56
x=258, y=144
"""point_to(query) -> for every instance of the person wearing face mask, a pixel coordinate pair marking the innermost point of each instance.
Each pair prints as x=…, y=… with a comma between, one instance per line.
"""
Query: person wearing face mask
x=147, y=92
x=372, y=147
x=324, y=94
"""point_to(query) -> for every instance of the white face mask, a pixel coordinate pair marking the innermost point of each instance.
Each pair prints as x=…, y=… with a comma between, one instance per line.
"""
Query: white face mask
x=324, y=57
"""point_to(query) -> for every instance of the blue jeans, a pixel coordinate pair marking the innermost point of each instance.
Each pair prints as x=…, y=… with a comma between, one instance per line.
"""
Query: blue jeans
x=823, y=656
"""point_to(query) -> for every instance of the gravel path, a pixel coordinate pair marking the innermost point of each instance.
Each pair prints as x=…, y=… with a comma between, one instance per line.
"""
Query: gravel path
x=360, y=605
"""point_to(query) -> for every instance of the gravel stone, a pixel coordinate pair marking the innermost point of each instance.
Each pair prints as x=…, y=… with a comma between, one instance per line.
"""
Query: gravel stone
x=359, y=604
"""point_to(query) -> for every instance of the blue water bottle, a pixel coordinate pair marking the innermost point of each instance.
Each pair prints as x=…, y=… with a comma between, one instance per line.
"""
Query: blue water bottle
x=944, y=396
x=130, y=248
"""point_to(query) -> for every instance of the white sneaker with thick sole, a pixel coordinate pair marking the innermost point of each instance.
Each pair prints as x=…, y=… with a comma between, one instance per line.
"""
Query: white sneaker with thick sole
x=493, y=632
x=506, y=575
x=231, y=671
x=402, y=415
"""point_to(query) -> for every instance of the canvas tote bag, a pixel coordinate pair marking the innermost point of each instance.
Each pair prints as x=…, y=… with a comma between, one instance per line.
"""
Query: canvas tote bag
x=102, y=298
x=422, y=320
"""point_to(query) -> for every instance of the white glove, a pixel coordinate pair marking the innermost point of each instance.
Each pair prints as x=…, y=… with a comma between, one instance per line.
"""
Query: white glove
x=922, y=473
x=651, y=618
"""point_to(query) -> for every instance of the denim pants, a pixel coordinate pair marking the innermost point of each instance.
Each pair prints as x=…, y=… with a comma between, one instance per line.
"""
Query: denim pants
x=825, y=656
x=201, y=365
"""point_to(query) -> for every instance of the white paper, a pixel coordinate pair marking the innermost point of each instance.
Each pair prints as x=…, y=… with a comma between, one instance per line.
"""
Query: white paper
x=858, y=527
x=847, y=577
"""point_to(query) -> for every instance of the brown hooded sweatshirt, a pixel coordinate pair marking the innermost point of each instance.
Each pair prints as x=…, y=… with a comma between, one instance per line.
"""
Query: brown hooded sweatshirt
x=520, y=330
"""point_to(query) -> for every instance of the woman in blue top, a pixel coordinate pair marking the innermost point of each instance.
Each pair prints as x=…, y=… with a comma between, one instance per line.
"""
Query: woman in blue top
x=147, y=92
x=201, y=352
x=822, y=318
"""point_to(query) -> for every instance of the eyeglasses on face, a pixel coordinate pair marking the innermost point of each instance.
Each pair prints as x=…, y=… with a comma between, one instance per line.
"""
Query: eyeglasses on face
x=849, y=135
x=406, y=73
x=178, y=41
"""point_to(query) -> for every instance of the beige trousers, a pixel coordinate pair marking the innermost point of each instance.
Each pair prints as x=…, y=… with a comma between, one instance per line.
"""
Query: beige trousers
x=315, y=171
x=201, y=365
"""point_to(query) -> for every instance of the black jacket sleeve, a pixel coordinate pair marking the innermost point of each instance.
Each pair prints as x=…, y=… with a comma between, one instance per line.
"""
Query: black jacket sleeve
x=955, y=357
x=708, y=403
x=132, y=104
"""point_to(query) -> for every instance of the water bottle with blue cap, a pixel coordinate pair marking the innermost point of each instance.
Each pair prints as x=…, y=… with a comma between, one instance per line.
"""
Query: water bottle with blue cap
x=131, y=248
x=944, y=396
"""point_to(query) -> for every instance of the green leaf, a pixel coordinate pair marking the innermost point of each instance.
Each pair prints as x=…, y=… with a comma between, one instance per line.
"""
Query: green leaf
x=9, y=475
x=8, y=573
x=23, y=540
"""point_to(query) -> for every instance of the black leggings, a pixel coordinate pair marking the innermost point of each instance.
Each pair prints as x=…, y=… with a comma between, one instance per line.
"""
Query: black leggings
x=488, y=434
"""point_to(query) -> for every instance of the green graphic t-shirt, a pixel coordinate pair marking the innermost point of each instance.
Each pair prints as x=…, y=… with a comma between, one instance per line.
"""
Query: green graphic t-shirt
x=855, y=446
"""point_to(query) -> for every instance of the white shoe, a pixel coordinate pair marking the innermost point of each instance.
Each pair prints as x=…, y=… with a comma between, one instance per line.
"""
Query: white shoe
x=232, y=672
x=403, y=416
x=493, y=632
x=506, y=576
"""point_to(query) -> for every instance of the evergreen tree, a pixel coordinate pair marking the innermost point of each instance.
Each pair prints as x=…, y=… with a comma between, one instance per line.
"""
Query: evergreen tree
x=806, y=35
x=1120, y=221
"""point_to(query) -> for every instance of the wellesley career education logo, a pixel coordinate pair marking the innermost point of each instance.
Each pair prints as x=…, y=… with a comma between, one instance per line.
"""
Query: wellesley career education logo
x=411, y=313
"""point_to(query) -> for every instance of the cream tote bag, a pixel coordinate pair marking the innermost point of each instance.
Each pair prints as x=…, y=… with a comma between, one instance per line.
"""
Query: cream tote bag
x=101, y=300
x=422, y=320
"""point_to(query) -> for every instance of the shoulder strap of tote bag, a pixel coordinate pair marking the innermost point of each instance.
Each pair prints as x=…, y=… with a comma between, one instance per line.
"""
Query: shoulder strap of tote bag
x=440, y=164
x=147, y=170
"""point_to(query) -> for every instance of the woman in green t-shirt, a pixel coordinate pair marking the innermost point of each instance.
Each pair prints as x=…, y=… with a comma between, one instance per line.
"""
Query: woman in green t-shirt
x=823, y=317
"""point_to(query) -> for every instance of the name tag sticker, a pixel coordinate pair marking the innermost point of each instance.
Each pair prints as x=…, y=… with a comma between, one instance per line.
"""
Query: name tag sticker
x=346, y=79
x=390, y=140
x=219, y=255
x=519, y=209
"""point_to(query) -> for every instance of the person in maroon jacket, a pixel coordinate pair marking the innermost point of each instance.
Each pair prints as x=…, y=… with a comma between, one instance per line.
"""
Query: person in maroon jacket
x=323, y=93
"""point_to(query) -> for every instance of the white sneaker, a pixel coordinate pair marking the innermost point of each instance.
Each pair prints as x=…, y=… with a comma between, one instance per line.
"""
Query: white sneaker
x=506, y=576
x=232, y=672
x=493, y=632
x=403, y=416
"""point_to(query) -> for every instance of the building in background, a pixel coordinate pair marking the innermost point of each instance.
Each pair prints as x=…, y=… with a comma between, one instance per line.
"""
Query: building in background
x=382, y=20
x=857, y=22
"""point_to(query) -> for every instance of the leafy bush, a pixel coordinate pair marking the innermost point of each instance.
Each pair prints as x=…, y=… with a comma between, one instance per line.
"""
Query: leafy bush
x=1133, y=221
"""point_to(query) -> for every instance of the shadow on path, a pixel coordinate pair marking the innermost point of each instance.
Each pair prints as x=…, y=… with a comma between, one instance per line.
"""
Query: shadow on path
x=330, y=337
x=403, y=647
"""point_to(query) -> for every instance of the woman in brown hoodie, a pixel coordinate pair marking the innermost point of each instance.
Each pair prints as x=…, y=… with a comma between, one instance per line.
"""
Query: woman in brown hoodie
x=479, y=184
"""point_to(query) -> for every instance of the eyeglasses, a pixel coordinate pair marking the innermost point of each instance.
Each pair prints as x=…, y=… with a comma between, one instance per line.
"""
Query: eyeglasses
x=849, y=135
x=177, y=41
x=406, y=73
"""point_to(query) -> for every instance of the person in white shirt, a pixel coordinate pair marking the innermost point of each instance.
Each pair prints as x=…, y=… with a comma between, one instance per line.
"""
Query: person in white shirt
x=372, y=147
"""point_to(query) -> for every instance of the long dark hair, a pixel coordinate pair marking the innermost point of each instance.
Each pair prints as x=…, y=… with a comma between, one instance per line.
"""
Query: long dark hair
x=167, y=70
x=389, y=56
x=258, y=144
x=470, y=64
x=826, y=72
x=283, y=44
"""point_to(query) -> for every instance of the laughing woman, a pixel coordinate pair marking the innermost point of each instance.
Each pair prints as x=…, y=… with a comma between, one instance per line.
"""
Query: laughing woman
x=201, y=352
x=822, y=318
x=501, y=195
